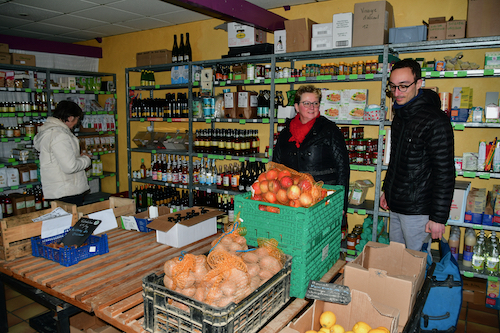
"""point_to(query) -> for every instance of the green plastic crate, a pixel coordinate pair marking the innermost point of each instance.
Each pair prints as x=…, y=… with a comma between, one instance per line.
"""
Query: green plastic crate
x=311, y=235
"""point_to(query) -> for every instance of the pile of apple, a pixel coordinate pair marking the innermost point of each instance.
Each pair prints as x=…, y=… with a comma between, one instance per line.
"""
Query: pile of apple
x=281, y=187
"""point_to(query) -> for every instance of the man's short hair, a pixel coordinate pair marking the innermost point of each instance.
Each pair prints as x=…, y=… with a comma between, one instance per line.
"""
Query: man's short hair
x=411, y=64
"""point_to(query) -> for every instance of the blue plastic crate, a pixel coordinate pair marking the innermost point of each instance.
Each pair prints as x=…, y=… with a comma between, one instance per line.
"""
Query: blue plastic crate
x=67, y=256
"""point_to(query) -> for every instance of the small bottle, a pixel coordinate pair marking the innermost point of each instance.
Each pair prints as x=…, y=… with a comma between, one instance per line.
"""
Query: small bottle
x=454, y=241
x=143, y=169
x=478, y=256
x=469, y=243
x=492, y=256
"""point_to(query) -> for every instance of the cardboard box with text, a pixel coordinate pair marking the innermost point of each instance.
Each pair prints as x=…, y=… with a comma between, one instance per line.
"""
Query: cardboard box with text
x=372, y=21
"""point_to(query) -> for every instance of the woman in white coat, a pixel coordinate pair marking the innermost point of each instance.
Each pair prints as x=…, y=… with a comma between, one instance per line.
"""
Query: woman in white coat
x=62, y=166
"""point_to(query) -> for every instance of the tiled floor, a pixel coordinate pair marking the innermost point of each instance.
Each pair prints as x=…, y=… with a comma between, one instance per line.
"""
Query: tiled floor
x=19, y=310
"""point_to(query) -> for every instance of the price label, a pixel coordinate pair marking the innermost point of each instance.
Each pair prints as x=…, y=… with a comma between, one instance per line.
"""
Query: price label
x=252, y=159
x=291, y=79
x=477, y=226
x=370, y=168
x=449, y=74
x=66, y=91
x=228, y=157
x=382, y=132
x=243, y=121
x=459, y=127
x=351, y=252
x=196, y=83
x=265, y=160
x=468, y=274
x=461, y=73
x=493, y=278
x=469, y=174
x=353, y=167
x=361, y=211
x=484, y=176
x=350, y=210
x=340, y=77
x=267, y=81
x=329, y=292
x=369, y=76
x=302, y=79
x=56, y=91
x=265, y=120
x=362, y=168
x=434, y=74
x=355, y=122
x=246, y=81
x=353, y=76
x=222, y=84
x=488, y=72
x=241, y=159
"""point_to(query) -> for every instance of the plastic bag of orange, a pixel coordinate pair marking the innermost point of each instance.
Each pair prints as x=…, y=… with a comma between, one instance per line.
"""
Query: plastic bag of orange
x=284, y=186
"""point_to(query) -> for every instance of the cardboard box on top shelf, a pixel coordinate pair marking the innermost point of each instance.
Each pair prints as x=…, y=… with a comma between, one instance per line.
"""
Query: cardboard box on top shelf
x=372, y=21
x=455, y=29
x=361, y=308
x=342, y=30
x=243, y=35
x=322, y=30
x=5, y=58
x=143, y=59
x=389, y=274
x=437, y=28
x=298, y=34
x=23, y=59
x=4, y=48
x=482, y=18
x=280, y=41
x=160, y=57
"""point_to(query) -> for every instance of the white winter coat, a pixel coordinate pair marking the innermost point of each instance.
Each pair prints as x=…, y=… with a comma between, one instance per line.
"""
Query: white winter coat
x=62, y=169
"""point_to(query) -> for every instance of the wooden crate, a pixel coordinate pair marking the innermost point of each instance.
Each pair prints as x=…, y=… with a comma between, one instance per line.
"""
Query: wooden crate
x=16, y=231
x=120, y=206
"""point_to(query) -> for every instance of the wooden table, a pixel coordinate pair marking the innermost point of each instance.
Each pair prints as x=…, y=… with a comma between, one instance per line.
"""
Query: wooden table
x=110, y=285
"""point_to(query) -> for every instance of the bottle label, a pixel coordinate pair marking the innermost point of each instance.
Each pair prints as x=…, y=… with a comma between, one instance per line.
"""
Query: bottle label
x=219, y=180
x=185, y=178
x=174, y=58
x=467, y=255
x=196, y=178
x=237, y=146
x=38, y=205
x=9, y=208
x=241, y=188
x=155, y=175
x=234, y=181
x=169, y=177
x=478, y=263
x=175, y=178
x=226, y=181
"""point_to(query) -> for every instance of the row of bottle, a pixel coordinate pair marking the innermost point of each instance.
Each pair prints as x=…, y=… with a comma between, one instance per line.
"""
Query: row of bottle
x=6, y=203
x=147, y=78
x=154, y=195
x=169, y=107
x=96, y=169
x=182, y=52
x=481, y=253
x=38, y=105
x=227, y=142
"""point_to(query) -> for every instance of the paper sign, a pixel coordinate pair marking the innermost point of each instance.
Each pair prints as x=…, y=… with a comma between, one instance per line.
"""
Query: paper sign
x=108, y=220
x=55, y=213
x=129, y=223
x=56, y=226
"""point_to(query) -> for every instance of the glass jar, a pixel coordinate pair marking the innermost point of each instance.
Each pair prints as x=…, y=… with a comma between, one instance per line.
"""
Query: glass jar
x=361, y=145
x=9, y=132
x=30, y=129
x=351, y=241
x=352, y=157
x=17, y=132
x=267, y=71
x=360, y=157
x=345, y=132
x=367, y=158
x=374, y=157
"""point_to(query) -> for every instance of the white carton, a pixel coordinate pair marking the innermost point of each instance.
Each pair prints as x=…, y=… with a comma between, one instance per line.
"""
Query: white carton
x=322, y=30
x=321, y=43
x=280, y=41
x=185, y=232
x=342, y=30
x=457, y=209
x=243, y=35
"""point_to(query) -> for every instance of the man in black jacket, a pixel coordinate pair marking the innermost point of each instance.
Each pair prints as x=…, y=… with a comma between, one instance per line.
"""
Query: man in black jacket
x=419, y=183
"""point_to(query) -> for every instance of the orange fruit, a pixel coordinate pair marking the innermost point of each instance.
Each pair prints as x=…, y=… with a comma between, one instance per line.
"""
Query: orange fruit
x=327, y=319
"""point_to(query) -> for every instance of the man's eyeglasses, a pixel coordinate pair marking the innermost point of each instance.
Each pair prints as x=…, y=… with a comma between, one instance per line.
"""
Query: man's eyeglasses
x=401, y=87
x=308, y=104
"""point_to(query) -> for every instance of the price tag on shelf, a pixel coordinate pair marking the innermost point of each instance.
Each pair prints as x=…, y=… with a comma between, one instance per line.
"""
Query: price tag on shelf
x=28, y=90
x=209, y=190
x=280, y=81
x=256, y=81
x=449, y=74
x=355, y=122
x=14, y=187
x=237, y=77
x=200, y=155
x=461, y=73
x=493, y=278
x=488, y=72
x=270, y=151
x=434, y=74
x=477, y=226
x=369, y=76
x=361, y=211
x=38, y=90
x=229, y=157
x=66, y=91
x=469, y=174
x=370, y=168
x=15, y=163
x=241, y=159
x=302, y=79
x=142, y=120
x=382, y=132
x=484, y=175
x=340, y=77
x=157, y=86
x=153, y=151
x=291, y=79
x=459, y=127
x=265, y=120
x=196, y=83
x=56, y=91
x=243, y=121
x=267, y=81
x=362, y=168
x=169, y=120
x=251, y=159
x=354, y=167
x=468, y=274
x=223, y=83
x=353, y=76
x=246, y=81
x=208, y=121
x=350, y=210
x=132, y=88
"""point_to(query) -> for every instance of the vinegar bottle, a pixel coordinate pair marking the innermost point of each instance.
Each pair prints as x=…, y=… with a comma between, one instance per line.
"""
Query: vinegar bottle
x=454, y=241
x=143, y=169
x=469, y=242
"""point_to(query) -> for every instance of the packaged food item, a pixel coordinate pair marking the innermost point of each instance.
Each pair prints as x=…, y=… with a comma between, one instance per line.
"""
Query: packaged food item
x=359, y=191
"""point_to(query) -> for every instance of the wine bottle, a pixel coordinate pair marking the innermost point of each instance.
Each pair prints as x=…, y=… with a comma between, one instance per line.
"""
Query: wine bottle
x=180, y=56
x=175, y=50
x=187, y=50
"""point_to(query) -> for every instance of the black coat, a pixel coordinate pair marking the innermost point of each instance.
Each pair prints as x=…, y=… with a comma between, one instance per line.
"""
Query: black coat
x=421, y=176
x=322, y=154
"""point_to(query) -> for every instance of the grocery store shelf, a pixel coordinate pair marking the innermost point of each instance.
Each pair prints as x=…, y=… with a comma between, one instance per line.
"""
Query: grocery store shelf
x=104, y=175
x=446, y=45
x=95, y=197
x=160, y=86
x=365, y=208
x=12, y=161
x=459, y=126
x=480, y=174
x=474, y=226
x=160, y=151
x=214, y=189
x=16, y=187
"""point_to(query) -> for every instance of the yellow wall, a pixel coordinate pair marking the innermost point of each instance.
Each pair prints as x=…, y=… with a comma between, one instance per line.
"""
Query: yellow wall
x=119, y=53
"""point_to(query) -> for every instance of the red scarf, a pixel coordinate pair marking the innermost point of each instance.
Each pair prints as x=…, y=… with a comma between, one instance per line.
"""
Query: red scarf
x=299, y=130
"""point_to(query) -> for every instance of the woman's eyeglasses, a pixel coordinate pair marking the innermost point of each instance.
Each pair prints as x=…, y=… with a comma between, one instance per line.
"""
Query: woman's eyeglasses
x=308, y=104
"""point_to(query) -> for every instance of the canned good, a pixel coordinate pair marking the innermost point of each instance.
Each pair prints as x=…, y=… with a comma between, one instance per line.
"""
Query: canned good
x=360, y=156
x=367, y=160
x=361, y=145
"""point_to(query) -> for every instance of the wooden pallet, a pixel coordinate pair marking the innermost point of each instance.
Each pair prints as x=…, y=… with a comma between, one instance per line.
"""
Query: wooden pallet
x=109, y=285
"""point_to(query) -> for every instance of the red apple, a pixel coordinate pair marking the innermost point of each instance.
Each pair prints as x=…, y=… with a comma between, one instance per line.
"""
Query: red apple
x=262, y=208
x=294, y=203
x=262, y=177
x=257, y=197
x=271, y=174
x=281, y=196
x=256, y=188
x=286, y=181
x=293, y=192
x=264, y=186
x=306, y=200
x=274, y=185
x=272, y=209
x=305, y=185
x=283, y=173
x=323, y=193
x=270, y=197
x=296, y=179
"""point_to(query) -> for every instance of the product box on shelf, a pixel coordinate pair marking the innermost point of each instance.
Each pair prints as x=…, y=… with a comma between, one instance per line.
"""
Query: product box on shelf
x=280, y=41
x=459, y=202
x=482, y=18
x=4, y=48
x=5, y=58
x=389, y=274
x=455, y=29
x=242, y=35
x=474, y=290
x=23, y=59
x=143, y=59
x=140, y=221
x=311, y=235
x=475, y=205
x=493, y=295
x=372, y=21
x=412, y=34
x=342, y=30
x=84, y=322
x=361, y=308
x=321, y=43
x=120, y=206
x=298, y=34
x=194, y=224
x=322, y=30
x=160, y=57
x=437, y=28
x=248, y=316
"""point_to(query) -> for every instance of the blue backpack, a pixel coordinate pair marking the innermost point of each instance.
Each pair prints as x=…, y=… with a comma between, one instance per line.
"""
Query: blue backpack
x=442, y=307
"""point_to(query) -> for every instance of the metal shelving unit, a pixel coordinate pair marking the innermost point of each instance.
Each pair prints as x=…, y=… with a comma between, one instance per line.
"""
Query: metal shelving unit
x=51, y=73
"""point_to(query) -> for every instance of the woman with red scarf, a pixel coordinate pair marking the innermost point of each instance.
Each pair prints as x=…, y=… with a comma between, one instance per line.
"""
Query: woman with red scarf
x=313, y=144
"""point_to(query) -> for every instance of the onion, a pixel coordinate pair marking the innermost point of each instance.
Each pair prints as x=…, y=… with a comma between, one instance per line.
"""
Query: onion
x=270, y=263
x=265, y=275
x=253, y=270
x=169, y=264
x=167, y=281
x=254, y=282
x=225, y=301
x=261, y=252
x=228, y=287
x=189, y=292
x=250, y=257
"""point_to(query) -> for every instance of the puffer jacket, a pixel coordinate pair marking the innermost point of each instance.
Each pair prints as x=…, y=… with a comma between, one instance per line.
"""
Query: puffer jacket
x=323, y=154
x=421, y=176
x=62, y=169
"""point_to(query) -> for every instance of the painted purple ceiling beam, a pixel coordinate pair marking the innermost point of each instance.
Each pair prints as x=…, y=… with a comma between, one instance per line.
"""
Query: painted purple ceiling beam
x=235, y=10
x=31, y=44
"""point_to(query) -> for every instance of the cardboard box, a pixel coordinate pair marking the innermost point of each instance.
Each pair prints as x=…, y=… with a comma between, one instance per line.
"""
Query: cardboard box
x=5, y=58
x=242, y=35
x=18, y=203
x=298, y=34
x=322, y=30
x=280, y=41
x=23, y=59
x=143, y=59
x=361, y=308
x=321, y=43
x=160, y=57
x=482, y=18
x=458, y=204
x=84, y=322
x=437, y=28
x=185, y=232
x=4, y=48
x=342, y=30
x=474, y=290
x=389, y=274
x=462, y=98
x=455, y=29
x=372, y=21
